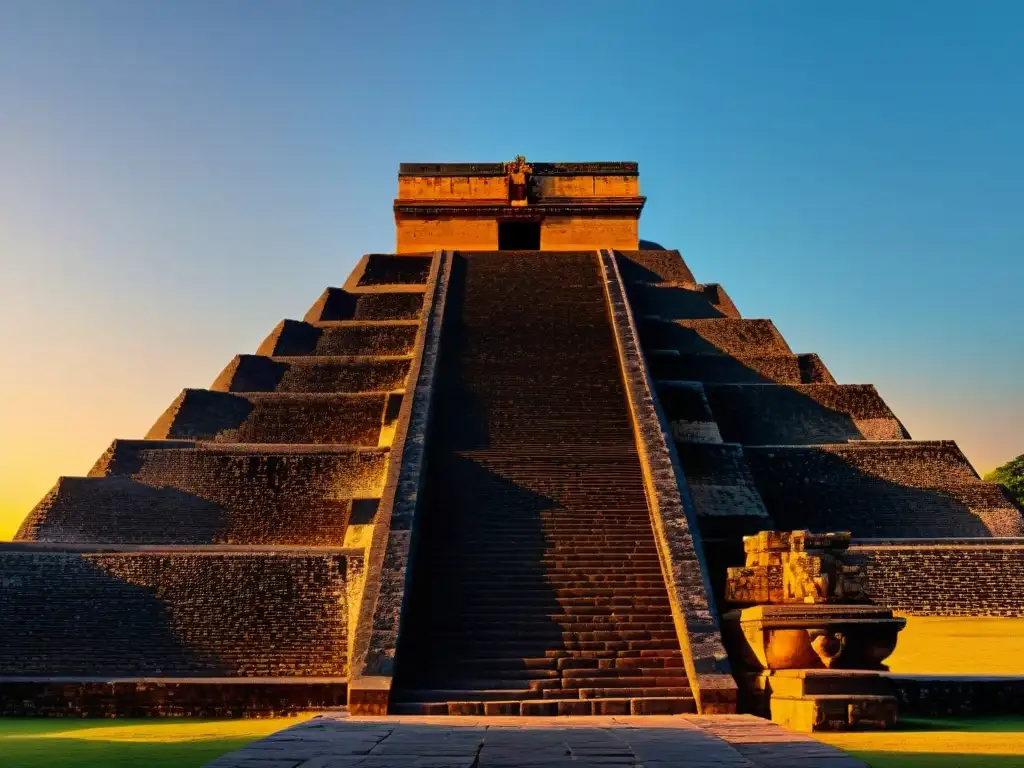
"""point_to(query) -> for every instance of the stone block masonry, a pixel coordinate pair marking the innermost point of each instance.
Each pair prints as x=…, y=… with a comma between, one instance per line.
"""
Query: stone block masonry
x=391, y=549
x=944, y=577
x=320, y=419
x=670, y=302
x=716, y=336
x=174, y=612
x=881, y=489
x=219, y=493
x=336, y=304
x=138, y=591
x=342, y=338
x=652, y=266
x=672, y=511
x=801, y=414
x=711, y=368
x=258, y=373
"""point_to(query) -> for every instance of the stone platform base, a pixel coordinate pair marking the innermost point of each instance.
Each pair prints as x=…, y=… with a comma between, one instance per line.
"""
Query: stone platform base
x=823, y=699
x=167, y=697
x=835, y=712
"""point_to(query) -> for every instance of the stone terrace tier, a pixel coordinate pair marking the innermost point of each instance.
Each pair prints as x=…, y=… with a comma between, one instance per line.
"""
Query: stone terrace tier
x=323, y=374
x=881, y=489
x=289, y=448
x=184, y=492
x=538, y=587
x=821, y=455
x=320, y=419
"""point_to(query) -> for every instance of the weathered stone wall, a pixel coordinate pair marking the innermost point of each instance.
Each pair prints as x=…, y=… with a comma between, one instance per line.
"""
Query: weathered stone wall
x=587, y=186
x=174, y=613
x=671, y=302
x=391, y=269
x=805, y=414
x=650, y=266
x=322, y=419
x=493, y=187
x=147, y=491
x=745, y=369
x=945, y=577
x=721, y=484
x=292, y=337
x=417, y=235
x=193, y=697
x=928, y=696
x=338, y=304
x=565, y=233
x=722, y=336
x=687, y=412
x=881, y=489
x=256, y=373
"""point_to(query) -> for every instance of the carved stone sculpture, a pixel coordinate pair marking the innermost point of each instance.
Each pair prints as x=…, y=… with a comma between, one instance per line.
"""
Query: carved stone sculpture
x=518, y=180
x=807, y=618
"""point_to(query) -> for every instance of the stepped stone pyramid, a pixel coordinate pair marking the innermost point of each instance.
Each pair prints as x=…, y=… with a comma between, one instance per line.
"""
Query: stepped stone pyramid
x=502, y=470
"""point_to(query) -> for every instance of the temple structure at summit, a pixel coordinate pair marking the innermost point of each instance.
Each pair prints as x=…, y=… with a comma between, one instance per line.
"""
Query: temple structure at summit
x=502, y=470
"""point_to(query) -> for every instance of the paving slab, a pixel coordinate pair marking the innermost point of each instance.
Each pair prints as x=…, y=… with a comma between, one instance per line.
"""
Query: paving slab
x=336, y=740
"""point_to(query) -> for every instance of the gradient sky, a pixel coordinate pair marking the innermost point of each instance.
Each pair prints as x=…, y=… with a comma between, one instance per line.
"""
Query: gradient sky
x=175, y=177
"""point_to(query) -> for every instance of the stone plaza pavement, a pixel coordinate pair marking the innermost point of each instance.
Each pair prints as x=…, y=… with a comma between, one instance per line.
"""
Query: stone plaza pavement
x=335, y=740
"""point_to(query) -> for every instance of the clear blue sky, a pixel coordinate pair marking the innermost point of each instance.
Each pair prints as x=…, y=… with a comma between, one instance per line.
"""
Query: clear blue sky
x=175, y=177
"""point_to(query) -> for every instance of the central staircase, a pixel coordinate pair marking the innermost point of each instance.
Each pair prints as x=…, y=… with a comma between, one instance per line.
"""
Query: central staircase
x=537, y=587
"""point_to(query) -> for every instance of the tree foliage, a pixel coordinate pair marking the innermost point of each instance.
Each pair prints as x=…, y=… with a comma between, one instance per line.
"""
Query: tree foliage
x=1011, y=476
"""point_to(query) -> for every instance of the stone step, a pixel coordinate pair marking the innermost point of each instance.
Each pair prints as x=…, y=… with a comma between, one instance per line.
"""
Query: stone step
x=624, y=628
x=548, y=631
x=549, y=680
x=540, y=597
x=557, y=655
x=517, y=646
x=548, y=664
x=547, y=707
x=605, y=692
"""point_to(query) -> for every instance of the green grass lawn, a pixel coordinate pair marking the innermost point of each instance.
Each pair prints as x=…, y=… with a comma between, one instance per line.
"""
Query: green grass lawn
x=992, y=742
x=171, y=743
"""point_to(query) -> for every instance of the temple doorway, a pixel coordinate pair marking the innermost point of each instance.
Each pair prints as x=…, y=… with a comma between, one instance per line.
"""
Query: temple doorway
x=518, y=235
